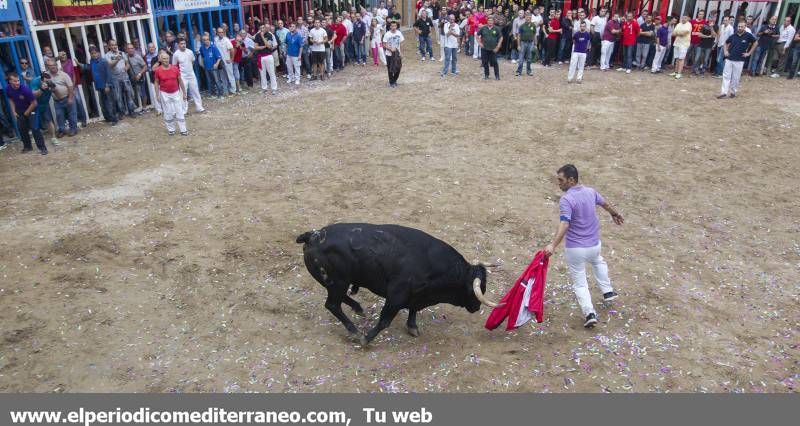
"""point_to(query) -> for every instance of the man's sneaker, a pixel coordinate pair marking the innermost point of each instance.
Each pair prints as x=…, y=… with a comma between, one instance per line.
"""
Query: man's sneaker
x=627, y=71
x=43, y=152
x=620, y=69
x=297, y=82
x=513, y=61
x=775, y=75
x=591, y=320
x=722, y=96
x=423, y=59
x=607, y=297
x=184, y=133
x=172, y=133
x=673, y=74
x=55, y=141
x=733, y=95
x=3, y=146
x=677, y=76
x=517, y=74
x=486, y=77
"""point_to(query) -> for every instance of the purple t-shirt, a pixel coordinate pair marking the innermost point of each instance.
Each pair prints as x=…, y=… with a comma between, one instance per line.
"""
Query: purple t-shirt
x=577, y=207
x=580, y=42
x=663, y=35
x=21, y=97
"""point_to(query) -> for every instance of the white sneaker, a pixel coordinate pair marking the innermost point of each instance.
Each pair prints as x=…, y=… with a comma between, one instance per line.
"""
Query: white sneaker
x=3, y=146
x=55, y=142
x=627, y=71
x=513, y=61
x=309, y=76
x=775, y=75
x=620, y=69
x=423, y=59
x=297, y=82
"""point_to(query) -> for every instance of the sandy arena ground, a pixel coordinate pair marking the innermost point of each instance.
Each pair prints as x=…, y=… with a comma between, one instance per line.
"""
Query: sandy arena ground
x=131, y=261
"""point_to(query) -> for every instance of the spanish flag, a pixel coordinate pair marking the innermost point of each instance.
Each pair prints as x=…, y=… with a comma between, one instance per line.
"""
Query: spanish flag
x=83, y=8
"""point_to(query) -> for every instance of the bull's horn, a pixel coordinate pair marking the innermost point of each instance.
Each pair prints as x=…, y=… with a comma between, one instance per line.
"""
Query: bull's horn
x=490, y=265
x=476, y=287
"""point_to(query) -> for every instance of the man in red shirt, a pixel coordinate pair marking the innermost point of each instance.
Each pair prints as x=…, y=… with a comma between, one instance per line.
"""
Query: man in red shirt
x=553, y=34
x=697, y=25
x=630, y=30
x=338, y=44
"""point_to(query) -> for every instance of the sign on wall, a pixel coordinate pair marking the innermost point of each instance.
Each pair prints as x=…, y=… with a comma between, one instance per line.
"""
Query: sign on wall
x=195, y=4
x=8, y=11
x=83, y=8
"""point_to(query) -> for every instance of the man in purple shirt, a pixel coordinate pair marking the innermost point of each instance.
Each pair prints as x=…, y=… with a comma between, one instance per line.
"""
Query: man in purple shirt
x=23, y=107
x=580, y=45
x=662, y=44
x=581, y=227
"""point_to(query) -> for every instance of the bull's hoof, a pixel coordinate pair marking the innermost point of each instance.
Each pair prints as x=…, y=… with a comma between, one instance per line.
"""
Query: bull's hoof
x=414, y=331
x=364, y=342
x=355, y=337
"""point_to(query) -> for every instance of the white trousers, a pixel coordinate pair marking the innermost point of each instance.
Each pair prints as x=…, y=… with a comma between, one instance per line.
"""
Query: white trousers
x=730, y=76
x=293, y=68
x=268, y=66
x=192, y=91
x=576, y=63
x=577, y=258
x=659, y=58
x=172, y=104
x=606, y=49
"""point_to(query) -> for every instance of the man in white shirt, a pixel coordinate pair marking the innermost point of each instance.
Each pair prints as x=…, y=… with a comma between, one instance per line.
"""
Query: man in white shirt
x=596, y=28
x=725, y=31
x=318, y=38
x=780, y=51
x=451, y=34
x=225, y=48
x=349, y=47
x=383, y=12
x=184, y=59
x=519, y=20
x=391, y=44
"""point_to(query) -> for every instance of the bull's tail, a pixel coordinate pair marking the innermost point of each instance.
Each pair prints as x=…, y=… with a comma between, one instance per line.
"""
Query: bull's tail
x=304, y=238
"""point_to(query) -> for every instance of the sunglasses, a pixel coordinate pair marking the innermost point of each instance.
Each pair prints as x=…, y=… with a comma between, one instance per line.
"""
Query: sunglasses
x=23, y=63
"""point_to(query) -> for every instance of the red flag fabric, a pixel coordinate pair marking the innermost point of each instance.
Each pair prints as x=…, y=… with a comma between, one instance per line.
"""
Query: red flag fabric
x=525, y=299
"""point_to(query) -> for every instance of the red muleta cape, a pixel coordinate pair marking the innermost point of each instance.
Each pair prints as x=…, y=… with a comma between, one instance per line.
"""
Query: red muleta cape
x=525, y=298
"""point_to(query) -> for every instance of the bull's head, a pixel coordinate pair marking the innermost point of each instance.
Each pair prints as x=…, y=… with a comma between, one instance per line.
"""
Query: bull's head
x=477, y=289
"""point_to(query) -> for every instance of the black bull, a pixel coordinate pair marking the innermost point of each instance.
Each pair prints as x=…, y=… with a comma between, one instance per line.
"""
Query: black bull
x=409, y=268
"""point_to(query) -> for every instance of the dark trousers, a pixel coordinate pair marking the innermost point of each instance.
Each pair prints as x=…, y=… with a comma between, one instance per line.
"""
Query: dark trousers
x=629, y=51
x=393, y=65
x=246, y=71
x=25, y=125
x=594, y=54
x=489, y=57
x=107, y=105
x=550, y=46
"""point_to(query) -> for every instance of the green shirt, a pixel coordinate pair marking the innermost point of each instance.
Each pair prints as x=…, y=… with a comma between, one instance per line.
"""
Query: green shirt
x=527, y=31
x=490, y=36
x=43, y=101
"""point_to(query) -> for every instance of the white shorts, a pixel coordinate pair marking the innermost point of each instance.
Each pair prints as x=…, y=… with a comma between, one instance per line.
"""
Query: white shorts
x=679, y=52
